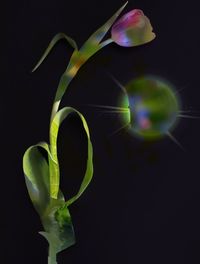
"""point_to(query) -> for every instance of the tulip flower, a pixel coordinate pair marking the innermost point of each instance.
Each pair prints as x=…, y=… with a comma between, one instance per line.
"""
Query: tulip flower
x=132, y=29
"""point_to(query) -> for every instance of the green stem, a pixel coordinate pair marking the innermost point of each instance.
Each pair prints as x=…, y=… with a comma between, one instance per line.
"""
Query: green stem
x=78, y=59
x=106, y=42
x=63, y=84
x=52, y=256
x=76, y=62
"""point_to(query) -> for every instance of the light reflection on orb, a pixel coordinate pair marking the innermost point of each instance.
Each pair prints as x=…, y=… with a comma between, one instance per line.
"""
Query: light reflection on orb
x=153, y=107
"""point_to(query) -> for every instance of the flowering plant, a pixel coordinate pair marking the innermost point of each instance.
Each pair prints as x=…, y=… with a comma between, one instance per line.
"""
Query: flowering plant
x=42, y=175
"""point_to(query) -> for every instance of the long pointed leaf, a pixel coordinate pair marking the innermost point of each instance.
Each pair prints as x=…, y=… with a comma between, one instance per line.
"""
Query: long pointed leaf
x=79, y=57
x=97, y=36
x=53, y=42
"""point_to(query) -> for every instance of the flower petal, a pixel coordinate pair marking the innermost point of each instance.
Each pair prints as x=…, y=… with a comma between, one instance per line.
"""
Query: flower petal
x=132, y=29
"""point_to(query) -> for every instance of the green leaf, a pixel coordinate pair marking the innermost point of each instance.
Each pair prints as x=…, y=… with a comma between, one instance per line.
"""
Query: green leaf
x=54, y=172
x=96, y=37
x=36, y=172
x=79, y=57
x=54, y=213
x=53, y=42
x=58, y=227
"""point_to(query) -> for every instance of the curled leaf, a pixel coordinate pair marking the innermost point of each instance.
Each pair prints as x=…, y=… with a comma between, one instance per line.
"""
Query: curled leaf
x=54, y=172
x=36, y=172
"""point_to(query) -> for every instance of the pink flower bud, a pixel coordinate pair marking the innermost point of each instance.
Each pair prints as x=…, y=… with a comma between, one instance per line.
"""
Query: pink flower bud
x=132, y=29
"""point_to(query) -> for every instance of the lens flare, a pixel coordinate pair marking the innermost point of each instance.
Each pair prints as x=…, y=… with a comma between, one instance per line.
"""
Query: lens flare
x=153, y=107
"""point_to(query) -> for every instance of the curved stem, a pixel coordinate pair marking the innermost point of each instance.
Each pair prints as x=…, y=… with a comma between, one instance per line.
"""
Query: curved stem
x=106, y=42
x=51, y=260
x=76, y=62
x=79, y=57
x=63, y=84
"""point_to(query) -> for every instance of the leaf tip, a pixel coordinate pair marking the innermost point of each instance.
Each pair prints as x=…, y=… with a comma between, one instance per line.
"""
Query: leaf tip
x=34, y=69
x=126, y=3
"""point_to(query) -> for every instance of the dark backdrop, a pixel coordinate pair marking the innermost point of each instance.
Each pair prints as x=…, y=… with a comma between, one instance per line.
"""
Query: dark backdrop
x=143, y=203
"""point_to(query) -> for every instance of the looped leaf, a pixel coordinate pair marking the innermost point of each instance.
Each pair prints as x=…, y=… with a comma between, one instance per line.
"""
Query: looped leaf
x=54, y=213
x=53, y=42
x=55, y=177
x=36, y=172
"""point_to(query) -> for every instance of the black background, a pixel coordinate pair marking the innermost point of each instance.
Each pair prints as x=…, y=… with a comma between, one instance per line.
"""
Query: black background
x=143, y=203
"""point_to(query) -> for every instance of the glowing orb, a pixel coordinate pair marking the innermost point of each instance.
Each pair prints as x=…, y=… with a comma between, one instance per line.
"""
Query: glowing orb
x=153, y=107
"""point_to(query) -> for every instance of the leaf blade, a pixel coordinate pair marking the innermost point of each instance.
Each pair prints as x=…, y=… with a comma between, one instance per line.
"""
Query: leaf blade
x=36, y=173
x=52, y=43
x=56, y=122
x=58, y=226
x=98, y=35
